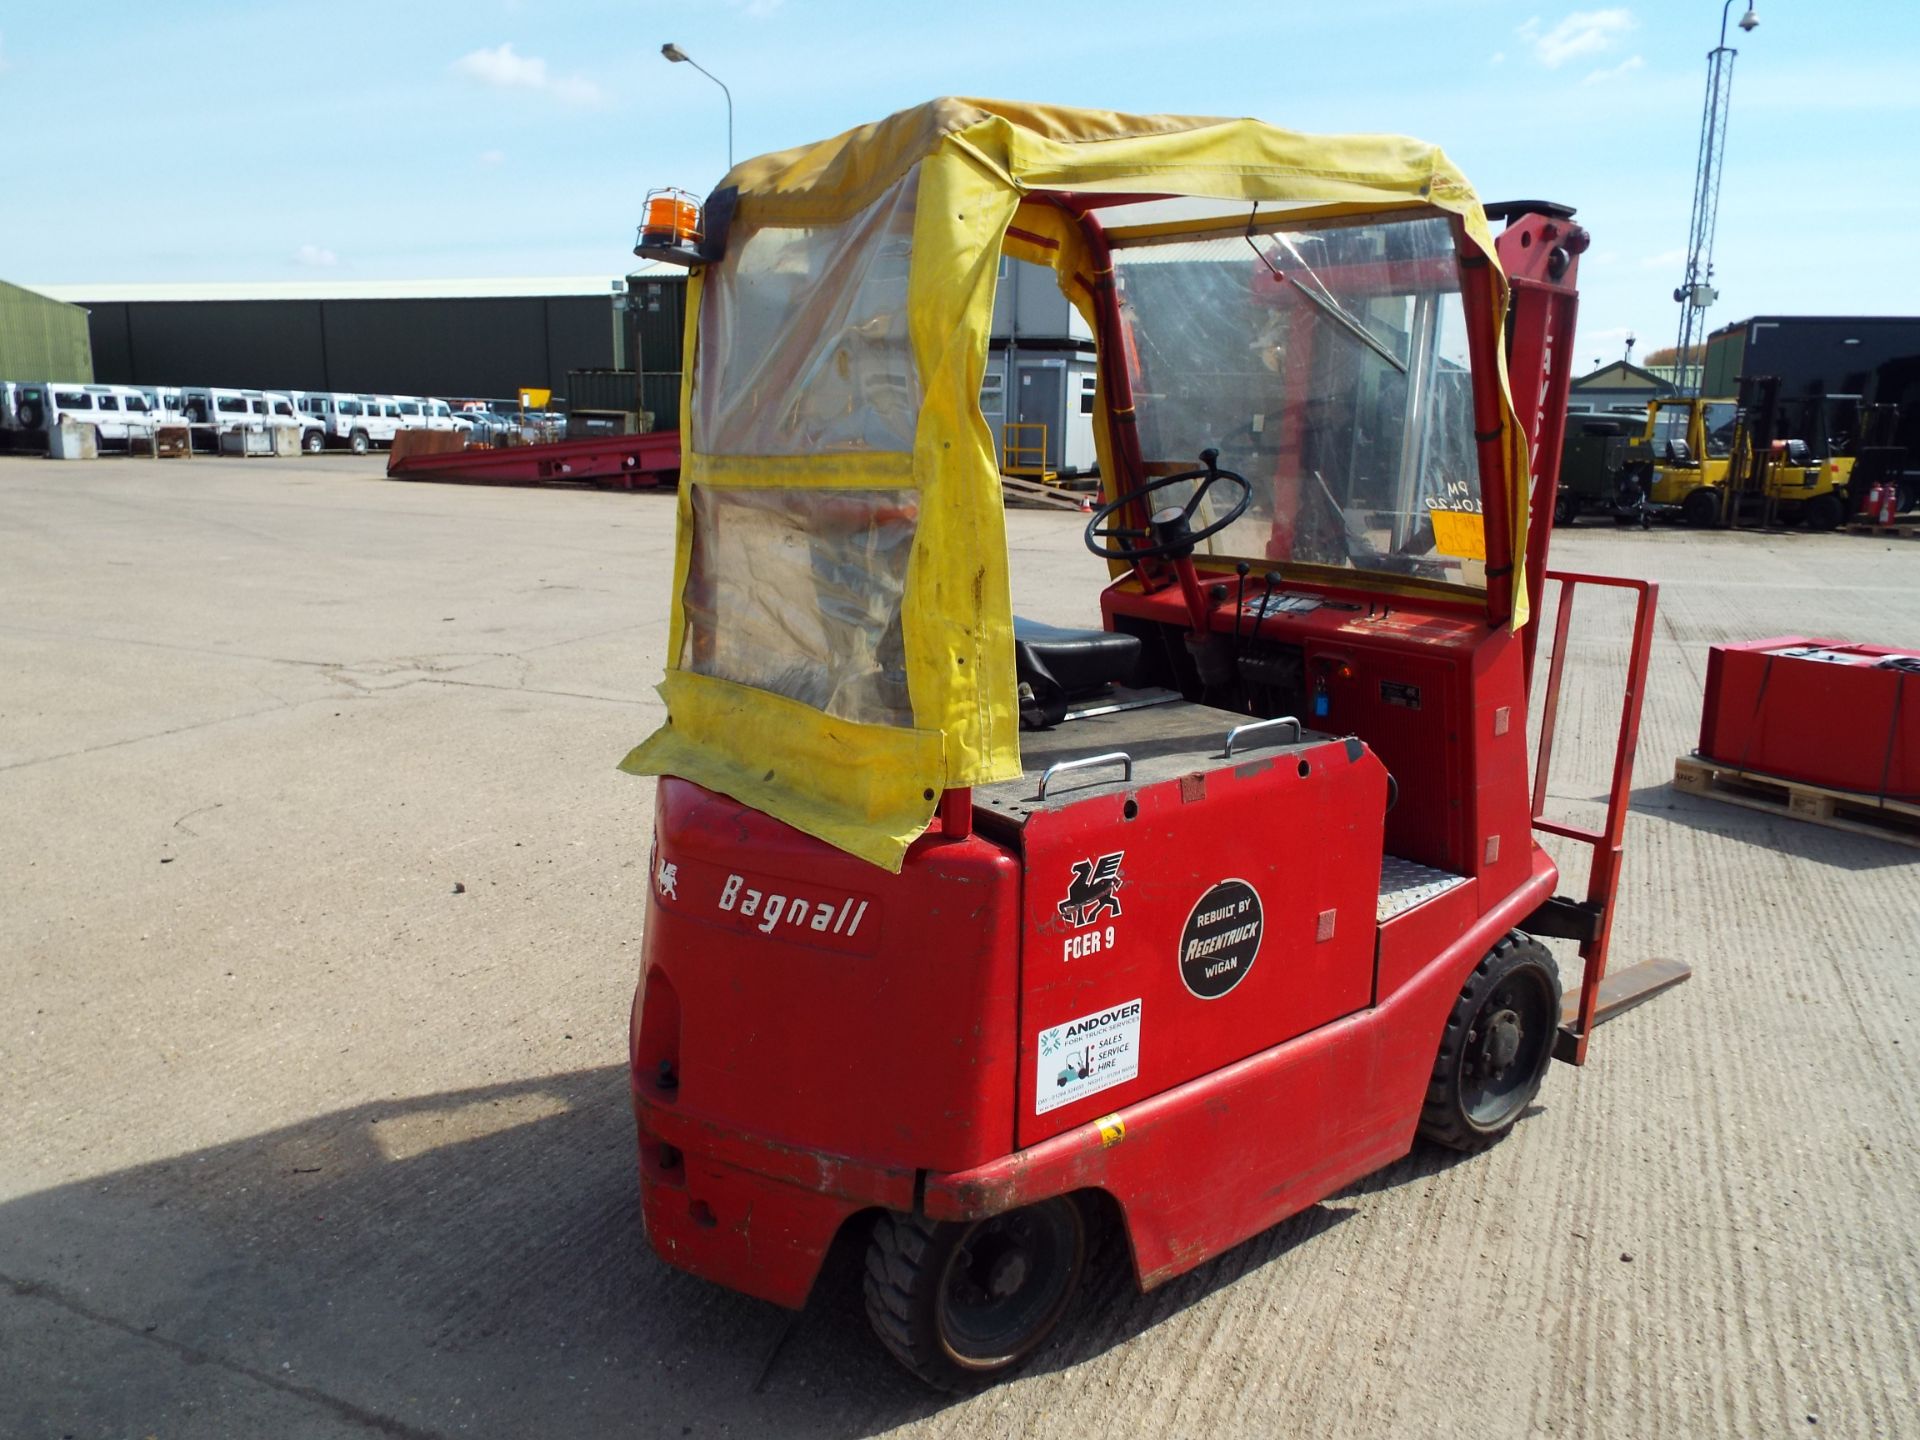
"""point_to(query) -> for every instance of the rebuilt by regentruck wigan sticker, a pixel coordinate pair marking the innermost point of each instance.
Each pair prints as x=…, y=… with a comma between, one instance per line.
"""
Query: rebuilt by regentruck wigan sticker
x=1221, y=939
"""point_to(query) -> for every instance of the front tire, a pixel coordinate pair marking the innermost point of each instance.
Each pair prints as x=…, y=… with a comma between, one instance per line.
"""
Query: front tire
x=957, y=1303
x=1825, y=512
x=313, y=442
x=1496, y=1047
x=1701, y=508
x=1566, y=510
x=358, y=442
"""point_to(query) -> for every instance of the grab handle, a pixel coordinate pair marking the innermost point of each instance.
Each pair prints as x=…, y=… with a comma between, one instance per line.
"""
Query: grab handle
x=1239, y=730
x=1112, y=757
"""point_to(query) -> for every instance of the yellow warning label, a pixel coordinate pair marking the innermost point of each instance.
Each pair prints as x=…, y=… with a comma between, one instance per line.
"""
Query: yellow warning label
x=1460, y=533
x=1112, y=1131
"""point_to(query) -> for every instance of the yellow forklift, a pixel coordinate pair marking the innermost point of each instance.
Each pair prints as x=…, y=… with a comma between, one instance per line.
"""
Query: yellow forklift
x=1721, y=461
x=1679, y=461
x=1775, y=476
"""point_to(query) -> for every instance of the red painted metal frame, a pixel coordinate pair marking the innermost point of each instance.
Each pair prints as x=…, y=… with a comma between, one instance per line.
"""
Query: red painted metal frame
x=623, y=460
x=1476, y=279
x=1116, y=382
x=1607, y=843
x=1540, y=256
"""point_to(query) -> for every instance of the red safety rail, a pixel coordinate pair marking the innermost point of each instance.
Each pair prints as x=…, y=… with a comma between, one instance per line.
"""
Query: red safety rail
x=1603, y=877
x=620, y=461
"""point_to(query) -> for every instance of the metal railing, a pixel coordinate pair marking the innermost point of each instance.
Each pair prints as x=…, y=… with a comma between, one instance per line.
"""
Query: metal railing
x=1603, y=875
x=1020, y=457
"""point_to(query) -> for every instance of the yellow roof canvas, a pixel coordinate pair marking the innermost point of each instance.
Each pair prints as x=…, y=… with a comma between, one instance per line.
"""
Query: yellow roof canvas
x=948, y=181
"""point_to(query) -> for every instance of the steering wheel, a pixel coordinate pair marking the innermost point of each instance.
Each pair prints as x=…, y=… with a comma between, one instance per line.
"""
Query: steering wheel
x=1168, y=532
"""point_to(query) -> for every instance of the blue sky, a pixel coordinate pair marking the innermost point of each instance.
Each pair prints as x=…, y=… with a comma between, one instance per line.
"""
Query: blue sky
x=335, y=139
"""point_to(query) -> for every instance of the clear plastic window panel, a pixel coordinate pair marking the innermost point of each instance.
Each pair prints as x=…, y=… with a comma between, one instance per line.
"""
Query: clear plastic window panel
x=804, y=346
x=1328, y=365
x=798, y=592
x=1717, y=418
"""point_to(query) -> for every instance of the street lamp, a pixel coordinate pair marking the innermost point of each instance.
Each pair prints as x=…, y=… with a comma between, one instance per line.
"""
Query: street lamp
x=1696, y=291
x=680, y=57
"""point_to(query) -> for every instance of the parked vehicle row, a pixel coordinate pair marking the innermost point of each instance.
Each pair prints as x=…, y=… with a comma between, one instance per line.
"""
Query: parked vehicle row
x=360, y=422
x=121, y=415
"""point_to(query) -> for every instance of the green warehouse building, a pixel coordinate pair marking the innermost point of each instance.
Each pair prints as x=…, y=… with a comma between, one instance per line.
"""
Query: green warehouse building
x=41, y=338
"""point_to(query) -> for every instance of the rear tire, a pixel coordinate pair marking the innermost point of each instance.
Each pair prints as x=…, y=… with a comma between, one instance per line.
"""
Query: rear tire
x=1566, y=510
x=1701, y=508
x=313, y=442
x=1496, y=1047
x=958, y=1304
x=358, y=442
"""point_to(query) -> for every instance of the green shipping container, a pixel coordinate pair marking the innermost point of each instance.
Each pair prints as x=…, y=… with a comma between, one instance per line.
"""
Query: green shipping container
x=657, y=315
x=660, y=393
x=601, y=390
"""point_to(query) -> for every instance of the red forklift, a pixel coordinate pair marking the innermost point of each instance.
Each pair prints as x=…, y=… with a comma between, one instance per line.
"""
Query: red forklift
x=964, y=930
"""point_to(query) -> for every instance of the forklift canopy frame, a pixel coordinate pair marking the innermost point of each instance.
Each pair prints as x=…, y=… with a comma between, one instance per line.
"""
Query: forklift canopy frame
x=841, y=650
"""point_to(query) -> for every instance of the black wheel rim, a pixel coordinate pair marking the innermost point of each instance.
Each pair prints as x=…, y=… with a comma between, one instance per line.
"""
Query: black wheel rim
x=1506, y=1049
x=1007, y=1282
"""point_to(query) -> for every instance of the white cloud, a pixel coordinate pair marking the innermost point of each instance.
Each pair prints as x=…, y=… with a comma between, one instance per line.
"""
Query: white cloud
x=491, y=158
x=1499, y=57
x=317, y=256
x=505, y=68
x=1664, y=259
x=1585, y=32
x=757, y=9
x=3, y=52
x=1614, y=72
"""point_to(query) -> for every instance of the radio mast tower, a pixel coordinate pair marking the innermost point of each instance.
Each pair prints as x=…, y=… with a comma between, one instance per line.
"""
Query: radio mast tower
x=1696, y=292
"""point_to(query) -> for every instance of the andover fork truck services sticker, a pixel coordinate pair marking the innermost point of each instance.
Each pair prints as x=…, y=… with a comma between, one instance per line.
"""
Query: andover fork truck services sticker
x=1087, y=1055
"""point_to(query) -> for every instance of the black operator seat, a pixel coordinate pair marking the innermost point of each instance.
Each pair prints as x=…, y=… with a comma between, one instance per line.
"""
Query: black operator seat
x=1057, y=666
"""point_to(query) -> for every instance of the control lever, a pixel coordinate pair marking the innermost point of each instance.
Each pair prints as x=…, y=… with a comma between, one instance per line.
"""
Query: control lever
x=1273, y=578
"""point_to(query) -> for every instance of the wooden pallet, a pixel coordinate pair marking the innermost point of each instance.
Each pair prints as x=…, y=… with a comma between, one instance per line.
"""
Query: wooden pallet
x=1896, y=820
x=1019, y=489
x=1899, y=530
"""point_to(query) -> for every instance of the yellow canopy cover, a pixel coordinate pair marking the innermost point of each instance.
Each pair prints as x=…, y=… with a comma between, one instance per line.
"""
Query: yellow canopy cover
x=833, y=366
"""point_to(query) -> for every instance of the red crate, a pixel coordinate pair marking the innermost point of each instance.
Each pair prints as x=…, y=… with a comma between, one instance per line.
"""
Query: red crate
x=1821, y=712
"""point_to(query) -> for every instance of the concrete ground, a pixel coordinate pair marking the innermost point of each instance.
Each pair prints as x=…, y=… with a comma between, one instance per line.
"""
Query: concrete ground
x=320, y=900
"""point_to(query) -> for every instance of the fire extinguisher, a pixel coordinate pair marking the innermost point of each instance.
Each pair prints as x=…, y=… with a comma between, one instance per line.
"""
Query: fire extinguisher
x=1882, y=501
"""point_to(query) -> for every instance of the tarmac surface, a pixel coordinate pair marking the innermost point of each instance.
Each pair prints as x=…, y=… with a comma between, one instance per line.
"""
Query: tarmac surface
x=320, y=901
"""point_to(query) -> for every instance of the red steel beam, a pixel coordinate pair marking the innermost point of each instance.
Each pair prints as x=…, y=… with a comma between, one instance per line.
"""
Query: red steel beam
x=626, y=460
